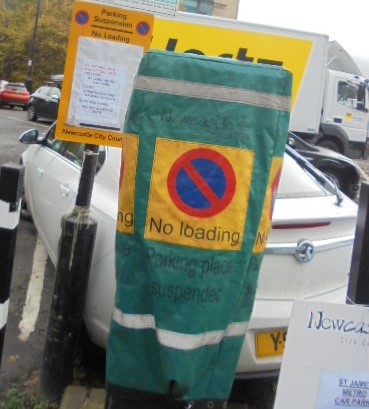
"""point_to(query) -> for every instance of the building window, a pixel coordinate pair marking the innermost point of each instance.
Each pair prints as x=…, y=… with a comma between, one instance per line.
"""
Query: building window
x=197, y=6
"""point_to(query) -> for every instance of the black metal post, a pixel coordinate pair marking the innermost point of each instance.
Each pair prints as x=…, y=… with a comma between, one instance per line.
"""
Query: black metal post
x=358, y=285
x=29, y=81
x=87, y=176
x=72, y=273
x=11, y=183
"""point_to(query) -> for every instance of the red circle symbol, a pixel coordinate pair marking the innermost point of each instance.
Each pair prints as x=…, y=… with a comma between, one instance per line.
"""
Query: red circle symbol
x=201, y=182
x=274, y=190
x=81, y=17
x=143, y=28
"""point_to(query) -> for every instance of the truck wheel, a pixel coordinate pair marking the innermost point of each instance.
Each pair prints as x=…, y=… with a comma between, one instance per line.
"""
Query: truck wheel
x=329, y=144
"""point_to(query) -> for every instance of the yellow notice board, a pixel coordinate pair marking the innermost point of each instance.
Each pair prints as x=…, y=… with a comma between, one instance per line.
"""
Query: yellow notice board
x=185, y=208
x=270, y=196
x=111, y=31
x=127, y=184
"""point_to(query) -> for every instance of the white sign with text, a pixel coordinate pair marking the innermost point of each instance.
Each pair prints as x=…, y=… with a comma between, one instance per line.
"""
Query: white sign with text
x=326, y=358
x=343, y=389
x=100, y=93
x=102, y=83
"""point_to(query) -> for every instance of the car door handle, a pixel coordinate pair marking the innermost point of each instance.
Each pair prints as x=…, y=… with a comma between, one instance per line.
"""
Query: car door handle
x=64, y=190
x=40, y=172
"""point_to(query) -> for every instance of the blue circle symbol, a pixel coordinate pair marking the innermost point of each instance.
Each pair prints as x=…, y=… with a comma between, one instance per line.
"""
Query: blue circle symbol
x=143, y=28
x=188, y=189
x=201, y=182
x=82, y=17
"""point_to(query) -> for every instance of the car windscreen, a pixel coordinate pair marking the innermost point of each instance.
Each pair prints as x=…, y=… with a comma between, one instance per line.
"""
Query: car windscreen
x=71, y=151
x=15, y=87
x=301, y=179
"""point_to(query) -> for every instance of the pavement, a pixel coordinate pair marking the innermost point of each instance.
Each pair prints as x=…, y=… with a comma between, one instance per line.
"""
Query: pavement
x=81, y=397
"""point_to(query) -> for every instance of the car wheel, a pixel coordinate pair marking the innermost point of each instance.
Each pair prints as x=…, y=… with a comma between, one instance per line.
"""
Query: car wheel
x=31, y=113
x=25, y=213
x=258, y=393
x=11, y=106
x=352, y=192
x=340, y=181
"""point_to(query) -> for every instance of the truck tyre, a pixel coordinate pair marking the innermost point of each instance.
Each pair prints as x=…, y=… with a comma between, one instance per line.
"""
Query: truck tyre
x=330, y=144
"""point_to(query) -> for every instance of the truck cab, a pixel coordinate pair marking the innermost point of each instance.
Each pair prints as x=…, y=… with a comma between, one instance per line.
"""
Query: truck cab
x=345, y=114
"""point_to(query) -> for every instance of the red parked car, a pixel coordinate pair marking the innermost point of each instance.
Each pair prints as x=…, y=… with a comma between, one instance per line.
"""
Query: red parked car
x=14, y=94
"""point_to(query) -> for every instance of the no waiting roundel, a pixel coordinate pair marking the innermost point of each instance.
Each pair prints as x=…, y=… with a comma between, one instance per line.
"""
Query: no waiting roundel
x=201, y=182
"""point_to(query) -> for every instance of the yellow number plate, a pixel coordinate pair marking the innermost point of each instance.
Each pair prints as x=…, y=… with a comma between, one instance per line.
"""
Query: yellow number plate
x=269, y=344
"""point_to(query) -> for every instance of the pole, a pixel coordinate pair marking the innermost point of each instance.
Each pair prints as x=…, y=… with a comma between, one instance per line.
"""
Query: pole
x=11, y=182
x=29, y=82
x=358, y=285
x=72, y=273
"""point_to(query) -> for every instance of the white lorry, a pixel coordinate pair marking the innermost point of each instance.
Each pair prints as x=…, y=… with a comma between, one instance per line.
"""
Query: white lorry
x=329, y=107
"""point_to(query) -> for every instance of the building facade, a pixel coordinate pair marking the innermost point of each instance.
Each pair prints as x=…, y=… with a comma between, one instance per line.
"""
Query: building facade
x=219, y=8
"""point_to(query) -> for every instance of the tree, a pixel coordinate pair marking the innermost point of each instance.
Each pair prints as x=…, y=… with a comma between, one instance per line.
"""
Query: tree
x=17, y=26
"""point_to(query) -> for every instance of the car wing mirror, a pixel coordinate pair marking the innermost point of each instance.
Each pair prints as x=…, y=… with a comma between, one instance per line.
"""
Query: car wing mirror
x=30, y=137
x=56, y=97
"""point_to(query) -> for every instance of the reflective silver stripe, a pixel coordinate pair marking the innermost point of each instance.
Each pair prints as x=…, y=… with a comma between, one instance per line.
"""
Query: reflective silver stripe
x=214, y=92
x=178, y=340
x=135, y=321
x=3, y=313
x=319, y=245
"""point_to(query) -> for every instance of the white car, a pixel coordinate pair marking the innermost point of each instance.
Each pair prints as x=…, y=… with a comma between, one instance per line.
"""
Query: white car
x=308, y=253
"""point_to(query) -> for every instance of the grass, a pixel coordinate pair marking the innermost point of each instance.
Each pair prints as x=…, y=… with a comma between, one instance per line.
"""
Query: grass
x=16, y=399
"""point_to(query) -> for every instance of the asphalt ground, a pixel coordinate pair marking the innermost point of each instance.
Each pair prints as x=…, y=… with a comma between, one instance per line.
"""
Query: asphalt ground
x=26, y=321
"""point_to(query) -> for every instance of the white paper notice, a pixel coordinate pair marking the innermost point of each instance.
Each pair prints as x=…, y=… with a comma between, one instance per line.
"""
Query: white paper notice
x=102, y=83
x=343, y=390
x=100, y=94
